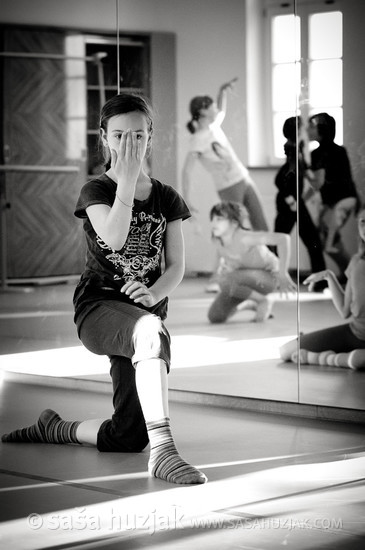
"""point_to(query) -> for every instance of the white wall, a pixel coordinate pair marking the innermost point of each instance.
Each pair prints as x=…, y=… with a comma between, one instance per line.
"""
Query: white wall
x=211, y=48
x=210, y=45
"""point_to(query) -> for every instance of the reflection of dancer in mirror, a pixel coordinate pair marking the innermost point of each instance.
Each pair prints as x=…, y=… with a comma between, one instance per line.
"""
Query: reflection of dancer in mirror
x=210, y=146
x=330, y=174
x=343, y=345
x=248, y=270
x=131, y=222
x=287, y=202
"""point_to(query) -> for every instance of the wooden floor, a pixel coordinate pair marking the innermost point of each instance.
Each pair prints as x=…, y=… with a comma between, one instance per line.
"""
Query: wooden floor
x=275, y=480
x=238, y=359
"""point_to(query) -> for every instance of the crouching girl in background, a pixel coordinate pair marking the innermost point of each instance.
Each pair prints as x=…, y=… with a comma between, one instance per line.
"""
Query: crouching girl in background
x=248, y=270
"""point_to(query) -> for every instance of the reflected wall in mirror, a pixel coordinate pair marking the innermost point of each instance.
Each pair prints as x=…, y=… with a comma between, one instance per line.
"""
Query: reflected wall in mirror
x=241, y=352
x=239, y=358
x=332, y=81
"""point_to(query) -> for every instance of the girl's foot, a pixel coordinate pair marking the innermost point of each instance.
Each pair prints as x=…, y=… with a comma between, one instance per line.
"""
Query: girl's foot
x=212, y=288
x=250, y=305
x=263, y=310
x=50, y=428
x=165, y=462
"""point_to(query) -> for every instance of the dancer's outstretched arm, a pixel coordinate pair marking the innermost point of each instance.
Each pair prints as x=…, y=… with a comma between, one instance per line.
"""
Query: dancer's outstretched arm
x=341, y=298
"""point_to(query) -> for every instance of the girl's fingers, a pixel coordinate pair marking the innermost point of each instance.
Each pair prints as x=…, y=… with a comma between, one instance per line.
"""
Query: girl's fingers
x=139, y=148
x=129, y=286
x=134, y=290
x=128, y=143
x=134, y=143
x=122, y=145
x=308, y=280
x=139, y=294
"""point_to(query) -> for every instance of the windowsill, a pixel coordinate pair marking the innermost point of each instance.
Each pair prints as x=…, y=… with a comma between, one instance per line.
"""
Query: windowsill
x=265, y=167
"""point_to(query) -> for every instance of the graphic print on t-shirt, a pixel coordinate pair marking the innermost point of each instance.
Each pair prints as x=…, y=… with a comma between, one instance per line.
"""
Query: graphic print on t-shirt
x=142, y=251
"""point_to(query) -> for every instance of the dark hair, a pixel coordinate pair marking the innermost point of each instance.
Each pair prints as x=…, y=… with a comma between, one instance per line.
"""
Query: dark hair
x=290, y=128
x=326, y=125
x=196, y=105
x=123, y=104
x=232, y=211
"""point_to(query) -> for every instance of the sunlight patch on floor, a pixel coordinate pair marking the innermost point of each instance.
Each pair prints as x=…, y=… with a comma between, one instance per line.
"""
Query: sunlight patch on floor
x=60, y=362
x=187, y=351
x=290, y=492
x=197, y=351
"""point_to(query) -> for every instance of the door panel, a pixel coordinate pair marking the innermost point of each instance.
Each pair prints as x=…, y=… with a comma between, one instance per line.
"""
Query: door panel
x=43, y=176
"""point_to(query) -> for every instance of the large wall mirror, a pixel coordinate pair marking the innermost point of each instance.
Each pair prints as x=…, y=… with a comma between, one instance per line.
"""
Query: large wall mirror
x=332, y=46
x=59, y=62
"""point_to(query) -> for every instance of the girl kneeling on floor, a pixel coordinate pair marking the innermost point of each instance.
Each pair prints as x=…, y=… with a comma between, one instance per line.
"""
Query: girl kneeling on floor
x=132, y=222
x=248, y=270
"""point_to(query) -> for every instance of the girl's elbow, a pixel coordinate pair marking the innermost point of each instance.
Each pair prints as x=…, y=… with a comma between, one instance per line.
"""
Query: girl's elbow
x=180, y=272
x=343, y=310
x=284, y=240
x=177, y=268
x=115, y=244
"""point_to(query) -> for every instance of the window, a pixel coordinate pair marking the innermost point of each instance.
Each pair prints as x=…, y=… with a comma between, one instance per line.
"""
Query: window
x=285, y=74
x=325, y=67
x=306, y=70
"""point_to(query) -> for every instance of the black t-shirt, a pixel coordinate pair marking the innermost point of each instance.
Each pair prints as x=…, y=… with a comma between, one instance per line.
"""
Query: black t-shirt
x=140, y=259
x=286, y=178
x=338, y=183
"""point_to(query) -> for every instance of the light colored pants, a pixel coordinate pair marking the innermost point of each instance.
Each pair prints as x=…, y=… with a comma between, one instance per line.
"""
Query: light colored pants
x=235, y=287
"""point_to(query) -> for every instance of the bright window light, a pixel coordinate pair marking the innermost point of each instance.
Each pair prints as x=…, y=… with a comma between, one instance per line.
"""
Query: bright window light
x=300, y=89
x=285, y=74
x=325, y=35
x=325, y=83
x=285, y=87
x=325, y=89
x=285, y=31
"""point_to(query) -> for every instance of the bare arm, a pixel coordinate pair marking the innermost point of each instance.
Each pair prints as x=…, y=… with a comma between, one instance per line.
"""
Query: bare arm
x=222, y=96
x=271, y=238
x=171, y=277
x=112, y=223
x=341, y=299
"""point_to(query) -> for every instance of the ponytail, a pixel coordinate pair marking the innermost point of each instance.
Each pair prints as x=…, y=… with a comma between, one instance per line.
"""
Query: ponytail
x=191, y=126
x=196, y=105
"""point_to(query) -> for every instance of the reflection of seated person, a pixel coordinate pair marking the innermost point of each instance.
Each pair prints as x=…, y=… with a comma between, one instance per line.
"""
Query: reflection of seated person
x=343, y=345
x=287, y=202
x=210, y=147
x=331, y=175
x=248, y=270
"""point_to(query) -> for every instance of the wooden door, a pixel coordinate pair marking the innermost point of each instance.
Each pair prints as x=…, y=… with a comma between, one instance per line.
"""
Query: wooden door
x=44, y=144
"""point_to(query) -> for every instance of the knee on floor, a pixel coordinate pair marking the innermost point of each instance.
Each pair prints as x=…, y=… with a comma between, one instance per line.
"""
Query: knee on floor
x=216, y=317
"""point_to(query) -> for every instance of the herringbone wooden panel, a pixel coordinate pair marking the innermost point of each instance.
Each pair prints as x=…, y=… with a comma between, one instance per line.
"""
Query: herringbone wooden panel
x=43, y=236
